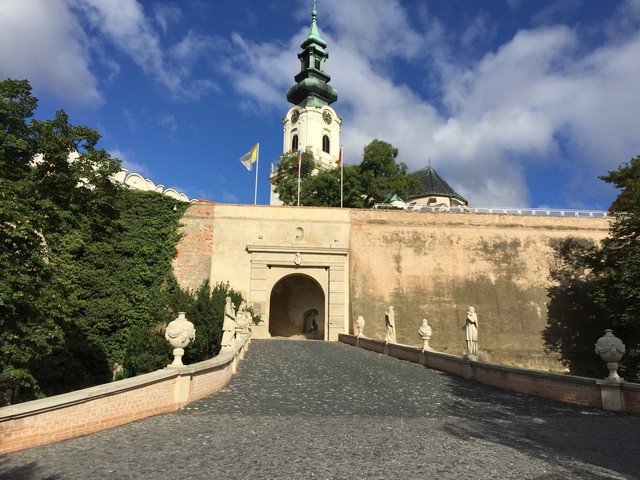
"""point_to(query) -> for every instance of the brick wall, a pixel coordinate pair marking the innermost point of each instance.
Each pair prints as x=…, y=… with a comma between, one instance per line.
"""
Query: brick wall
x=564, y=388
x=87, y=417
x=631, y=395
x=82, y=412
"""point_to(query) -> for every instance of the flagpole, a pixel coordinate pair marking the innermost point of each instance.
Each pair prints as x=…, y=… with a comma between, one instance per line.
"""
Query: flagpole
x=341, y=174
x=255, y=195
x=299, y=168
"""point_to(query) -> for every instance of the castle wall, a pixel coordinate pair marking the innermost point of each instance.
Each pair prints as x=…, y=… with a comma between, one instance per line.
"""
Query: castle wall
x=427, y=265
x=434, y=265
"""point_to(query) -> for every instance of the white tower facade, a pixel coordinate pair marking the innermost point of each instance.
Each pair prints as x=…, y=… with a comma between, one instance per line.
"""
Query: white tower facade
x=313, y=129
x=311, y=125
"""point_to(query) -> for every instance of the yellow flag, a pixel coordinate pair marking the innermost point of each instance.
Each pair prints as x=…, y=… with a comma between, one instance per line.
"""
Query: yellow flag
x=250, y=158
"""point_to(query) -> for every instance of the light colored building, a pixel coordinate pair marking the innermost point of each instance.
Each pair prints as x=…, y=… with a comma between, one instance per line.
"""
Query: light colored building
x=311, y=124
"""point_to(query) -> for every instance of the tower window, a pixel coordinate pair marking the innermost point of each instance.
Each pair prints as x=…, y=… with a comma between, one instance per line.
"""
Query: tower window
x=325, y=144
x=294, y=143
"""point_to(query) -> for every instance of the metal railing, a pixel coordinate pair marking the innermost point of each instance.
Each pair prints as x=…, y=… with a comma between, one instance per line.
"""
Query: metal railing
x=559, y=212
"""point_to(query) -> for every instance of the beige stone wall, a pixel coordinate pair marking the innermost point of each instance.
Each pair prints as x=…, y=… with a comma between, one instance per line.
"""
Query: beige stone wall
x=427, y=265
x=255, y=247
x=434, y=265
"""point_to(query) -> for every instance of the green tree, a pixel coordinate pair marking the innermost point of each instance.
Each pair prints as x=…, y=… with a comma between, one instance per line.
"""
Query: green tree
x=363, y=185
x=146, y=348
x=599, y=287
x=616, y=266
x=43, y=196
x=381, y=175
x=323, y=189
x=286, y=185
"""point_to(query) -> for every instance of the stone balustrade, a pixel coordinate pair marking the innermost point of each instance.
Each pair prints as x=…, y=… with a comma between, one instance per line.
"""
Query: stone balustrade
x=90, y=410
x=605, y=394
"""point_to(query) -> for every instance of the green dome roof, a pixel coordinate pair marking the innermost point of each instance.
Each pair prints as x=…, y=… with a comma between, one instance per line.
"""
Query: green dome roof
x=312, y=89
x=434, y=185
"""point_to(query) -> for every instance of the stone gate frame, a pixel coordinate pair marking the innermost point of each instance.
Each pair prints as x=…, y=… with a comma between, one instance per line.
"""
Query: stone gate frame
x=327, y=265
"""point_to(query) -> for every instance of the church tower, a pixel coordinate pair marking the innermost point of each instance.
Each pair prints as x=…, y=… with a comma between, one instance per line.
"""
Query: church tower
x=311, y=124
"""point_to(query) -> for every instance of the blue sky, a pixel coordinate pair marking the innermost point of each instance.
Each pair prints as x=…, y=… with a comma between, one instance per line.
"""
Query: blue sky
x=516, y=103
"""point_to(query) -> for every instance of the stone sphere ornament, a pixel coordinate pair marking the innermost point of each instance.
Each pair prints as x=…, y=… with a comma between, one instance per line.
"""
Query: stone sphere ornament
x=179, y=333
x=611, y=349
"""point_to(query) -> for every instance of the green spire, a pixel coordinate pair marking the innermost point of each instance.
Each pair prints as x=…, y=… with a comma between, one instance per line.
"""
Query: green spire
x=312, y=88
x=314, y=35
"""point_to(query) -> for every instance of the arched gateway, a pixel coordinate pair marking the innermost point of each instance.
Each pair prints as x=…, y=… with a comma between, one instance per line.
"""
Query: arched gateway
x=294, y=285
x=297, y=307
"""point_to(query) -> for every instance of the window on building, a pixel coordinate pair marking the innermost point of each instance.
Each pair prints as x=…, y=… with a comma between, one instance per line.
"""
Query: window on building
x=325, y=144
x=294, y=143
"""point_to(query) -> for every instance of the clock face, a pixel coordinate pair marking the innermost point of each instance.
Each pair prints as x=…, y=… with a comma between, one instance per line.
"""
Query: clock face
x=326, y=116
x=295, y=116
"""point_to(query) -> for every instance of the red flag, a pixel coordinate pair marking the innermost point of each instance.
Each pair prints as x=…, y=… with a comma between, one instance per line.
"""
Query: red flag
x=299, y=161
x=339, y=157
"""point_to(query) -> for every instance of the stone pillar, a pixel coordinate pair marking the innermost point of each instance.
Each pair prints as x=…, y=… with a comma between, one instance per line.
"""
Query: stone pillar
x=337, y=302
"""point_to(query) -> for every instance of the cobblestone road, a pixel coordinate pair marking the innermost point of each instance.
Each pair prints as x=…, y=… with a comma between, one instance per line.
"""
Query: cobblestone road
x=309, y=409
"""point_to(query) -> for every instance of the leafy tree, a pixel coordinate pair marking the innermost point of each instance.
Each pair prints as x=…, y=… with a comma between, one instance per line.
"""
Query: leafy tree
x=85, y=265
x=616, y=266
x=323, y=189
x=363, y=185
x=381, y=175
x=287, y=184
x=147, y=350
x=42, y=195
x=599, y=287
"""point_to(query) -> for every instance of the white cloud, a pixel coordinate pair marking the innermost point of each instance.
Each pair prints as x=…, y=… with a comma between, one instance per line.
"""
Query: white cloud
x=378, y=29
x=165, y=15
x=169, y=122
x=131, y=120
x=124, y=24
x=260, y=72
x=128, y=164
x=540, y=99
x=47, y=41
x=41, y=40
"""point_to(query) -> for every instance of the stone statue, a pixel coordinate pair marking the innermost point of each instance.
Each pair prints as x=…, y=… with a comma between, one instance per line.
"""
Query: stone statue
x=360, y=325
x=425, y=334
x=390, y=320
x=314, y=322
x=248, y=318
x=241, y=318
x=228, y=325
x=179, y=333
x=471, y=332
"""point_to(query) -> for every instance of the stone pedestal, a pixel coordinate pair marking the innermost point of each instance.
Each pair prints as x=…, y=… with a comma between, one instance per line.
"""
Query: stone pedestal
x=611, y=393
x=467, y=369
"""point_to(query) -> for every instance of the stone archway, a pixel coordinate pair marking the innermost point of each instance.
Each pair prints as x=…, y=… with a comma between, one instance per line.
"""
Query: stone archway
x=294, y=301
x=326, y=267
